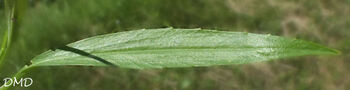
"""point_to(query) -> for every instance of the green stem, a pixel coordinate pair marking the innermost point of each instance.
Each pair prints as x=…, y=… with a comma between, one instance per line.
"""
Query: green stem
x=12, y=9
x=3, y=49
x=9, y=11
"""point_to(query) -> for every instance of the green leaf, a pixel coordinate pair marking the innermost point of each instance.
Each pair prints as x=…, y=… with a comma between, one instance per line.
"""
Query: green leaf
x=159, y=48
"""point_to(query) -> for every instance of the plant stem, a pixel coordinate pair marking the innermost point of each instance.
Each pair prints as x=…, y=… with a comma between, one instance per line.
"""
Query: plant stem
x=3, y=49
x=9, y=11
x=12, y=9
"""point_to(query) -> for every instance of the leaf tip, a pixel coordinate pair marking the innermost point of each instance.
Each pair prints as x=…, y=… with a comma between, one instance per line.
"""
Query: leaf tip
x=333, y=51
x=336, y=52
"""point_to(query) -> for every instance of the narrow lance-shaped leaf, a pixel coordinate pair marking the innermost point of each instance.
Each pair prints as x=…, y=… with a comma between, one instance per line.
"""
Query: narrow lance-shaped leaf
x=159, y=48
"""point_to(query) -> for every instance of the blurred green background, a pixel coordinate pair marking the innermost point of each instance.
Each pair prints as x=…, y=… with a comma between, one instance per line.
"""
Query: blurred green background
x=50, y=23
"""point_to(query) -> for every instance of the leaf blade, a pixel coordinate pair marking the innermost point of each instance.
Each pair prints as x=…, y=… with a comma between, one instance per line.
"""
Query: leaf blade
x=158, y=48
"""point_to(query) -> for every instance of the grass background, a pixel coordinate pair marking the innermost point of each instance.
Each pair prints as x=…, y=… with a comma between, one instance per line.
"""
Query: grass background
x=50, y=23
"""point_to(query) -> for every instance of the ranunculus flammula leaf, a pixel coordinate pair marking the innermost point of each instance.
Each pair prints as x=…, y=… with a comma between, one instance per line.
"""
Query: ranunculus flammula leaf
x=168, y=47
